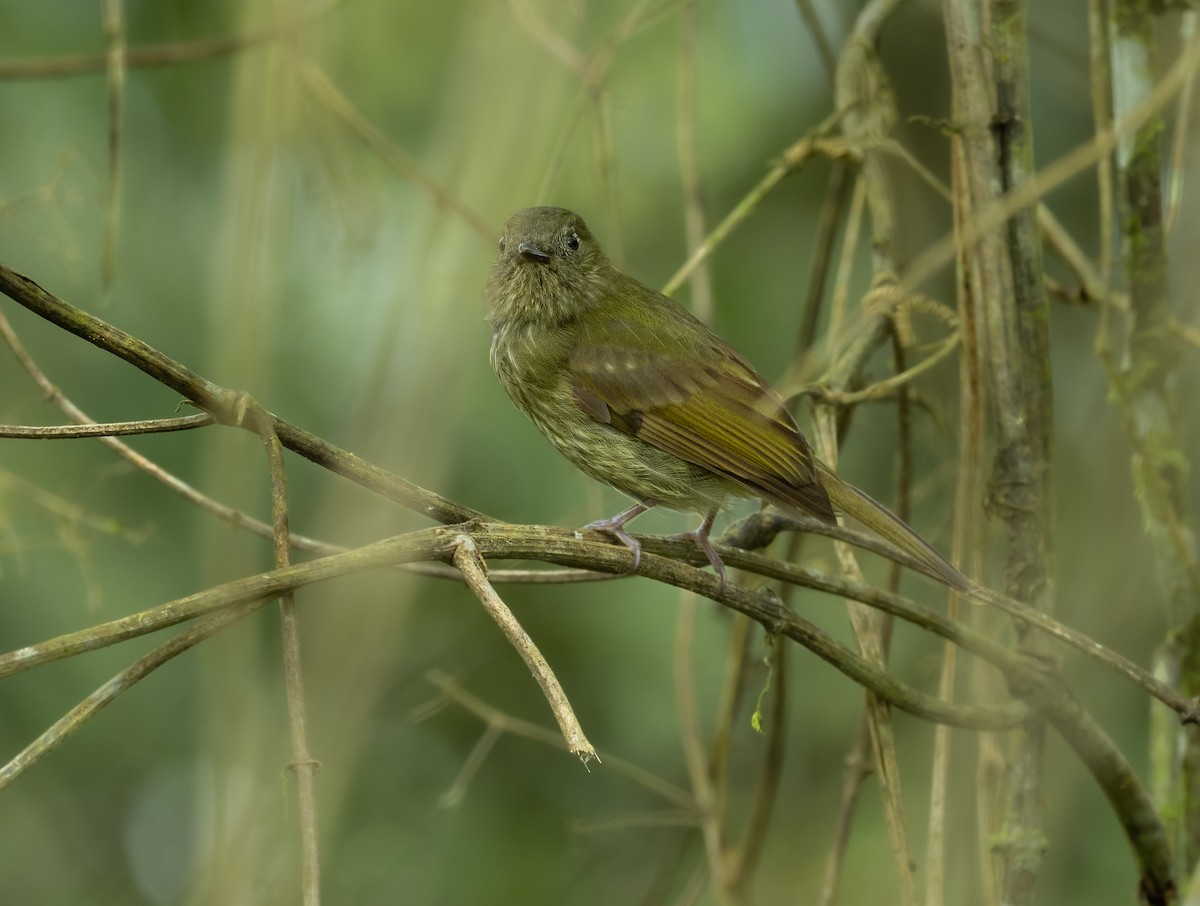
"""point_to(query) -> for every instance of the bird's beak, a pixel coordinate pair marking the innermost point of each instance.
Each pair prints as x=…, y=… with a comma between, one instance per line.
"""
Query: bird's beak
x=533, y=252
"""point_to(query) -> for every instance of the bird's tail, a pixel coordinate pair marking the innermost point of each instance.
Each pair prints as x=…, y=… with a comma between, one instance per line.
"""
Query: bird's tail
x=873, y=514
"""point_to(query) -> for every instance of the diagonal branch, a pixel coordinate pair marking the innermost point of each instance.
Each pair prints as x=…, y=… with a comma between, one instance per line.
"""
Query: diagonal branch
x=468, y=561
x=225, y=405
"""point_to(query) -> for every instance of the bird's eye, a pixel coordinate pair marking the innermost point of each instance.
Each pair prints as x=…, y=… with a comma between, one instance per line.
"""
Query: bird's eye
x=501, y=243
x=573, y=242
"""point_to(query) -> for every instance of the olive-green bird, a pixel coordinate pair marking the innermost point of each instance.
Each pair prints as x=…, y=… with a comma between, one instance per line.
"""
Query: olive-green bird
x=638, y=393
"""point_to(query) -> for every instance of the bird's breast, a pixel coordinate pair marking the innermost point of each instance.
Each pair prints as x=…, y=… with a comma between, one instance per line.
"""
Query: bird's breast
x=530, y=362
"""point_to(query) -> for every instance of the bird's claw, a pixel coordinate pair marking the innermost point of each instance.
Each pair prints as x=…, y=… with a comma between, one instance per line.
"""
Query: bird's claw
x=699, y=537
x=635, y=546
x=616, y=527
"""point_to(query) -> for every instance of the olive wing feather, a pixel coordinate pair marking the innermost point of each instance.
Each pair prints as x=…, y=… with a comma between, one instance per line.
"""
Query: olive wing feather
x=692, y=395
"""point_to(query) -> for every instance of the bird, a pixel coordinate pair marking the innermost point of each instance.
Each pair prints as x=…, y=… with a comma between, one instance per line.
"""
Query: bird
x=638, y=393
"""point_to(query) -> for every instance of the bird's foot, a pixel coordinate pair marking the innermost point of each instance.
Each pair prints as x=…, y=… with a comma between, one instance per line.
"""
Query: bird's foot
x=699, y=537
x=615, y=526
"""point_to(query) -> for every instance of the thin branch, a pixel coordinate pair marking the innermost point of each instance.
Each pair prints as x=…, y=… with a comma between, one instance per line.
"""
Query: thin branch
x=966, y=550
x=225, y=405
x=904, y=446
x=689, y=165
x=499, y=576
x=1042, y=686
x=123, y=681
x=327, y=95
x=708, y=774
x=708, y=807
x=1092, y=288
x=114, y=38
x=832, y=210
x=839, y=300
x=592, y=71
x=303, y=765
x=454, y=796
x=469, y=562
x=71, y=513
x=792, y=159
x=870, y=644
x=858, y=766
x=452, y=692
x=733, y=688
x=887, y=387
x=234, y=517
x=108, y=429
x=824, y=49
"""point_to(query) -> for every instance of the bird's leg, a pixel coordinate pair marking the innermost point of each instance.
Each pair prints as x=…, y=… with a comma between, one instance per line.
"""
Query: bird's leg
x=699, y=537
x=615, y=526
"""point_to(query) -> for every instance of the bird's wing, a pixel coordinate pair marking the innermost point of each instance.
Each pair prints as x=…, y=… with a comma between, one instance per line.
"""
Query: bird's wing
x=695, y=397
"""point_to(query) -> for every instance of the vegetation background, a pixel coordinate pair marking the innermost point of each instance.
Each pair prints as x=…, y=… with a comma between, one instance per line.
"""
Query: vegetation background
x=308, y=215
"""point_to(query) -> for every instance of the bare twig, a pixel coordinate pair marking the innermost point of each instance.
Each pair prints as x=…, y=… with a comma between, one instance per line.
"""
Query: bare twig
x=824, y=49
x=454, y=796
x=71, y=513
x=699, y=769
x=114, y=38
x=303, y=765
x=592, y=71
x=108, y=429
x=452, y=692
x=870, y=643
x=138, y=670
x=689, y=165
x=966, y=550
x=887, y=387
x=839, y=300
x=858, y=766
x=832, y=211
x=791, y=160
x=222, y=403
x=733, y=687
x=144, y=464
x=331, y=99
x=468, y=561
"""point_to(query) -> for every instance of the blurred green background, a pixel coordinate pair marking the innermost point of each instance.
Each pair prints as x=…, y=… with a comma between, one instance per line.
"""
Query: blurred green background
x=265, y=245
